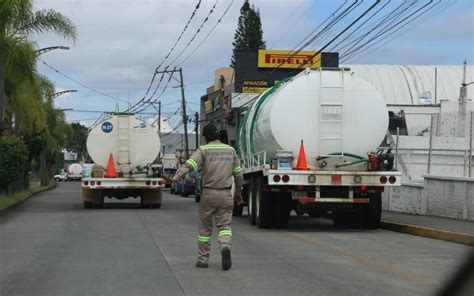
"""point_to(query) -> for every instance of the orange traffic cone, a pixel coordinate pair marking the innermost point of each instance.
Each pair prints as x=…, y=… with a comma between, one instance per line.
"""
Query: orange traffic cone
x=302, y=165
x=110, y=173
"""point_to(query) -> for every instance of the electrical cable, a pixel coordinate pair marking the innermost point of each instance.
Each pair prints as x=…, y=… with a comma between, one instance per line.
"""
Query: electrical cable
x=195, y=34
x=80, y=83
x=363, y=48
x=207, y=36
x=420, y=22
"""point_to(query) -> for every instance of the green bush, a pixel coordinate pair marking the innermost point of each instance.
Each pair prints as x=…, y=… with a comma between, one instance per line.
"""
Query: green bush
x=14, y=154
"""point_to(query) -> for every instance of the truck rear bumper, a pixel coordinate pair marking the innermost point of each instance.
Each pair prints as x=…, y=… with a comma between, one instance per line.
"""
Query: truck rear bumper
x=122, y=183
x=333, y=178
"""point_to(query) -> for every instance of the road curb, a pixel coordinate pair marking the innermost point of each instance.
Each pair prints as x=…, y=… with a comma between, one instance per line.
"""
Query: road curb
x=4, y=210
x=456, y=237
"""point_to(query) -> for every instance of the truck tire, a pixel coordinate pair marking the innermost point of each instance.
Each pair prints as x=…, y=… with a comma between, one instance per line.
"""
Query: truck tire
x=251, y=201
x=237, y=211
x=282, y=209
x=151, y=198
x=264, y=206
x=197, y=197
x=372, y=213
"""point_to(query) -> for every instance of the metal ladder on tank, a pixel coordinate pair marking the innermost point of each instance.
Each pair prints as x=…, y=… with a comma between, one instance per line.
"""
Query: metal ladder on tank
x=123, y=156
x=331, y=94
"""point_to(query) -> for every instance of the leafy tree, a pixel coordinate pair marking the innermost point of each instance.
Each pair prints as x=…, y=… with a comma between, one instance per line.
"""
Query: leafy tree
x=14, y=154
x=76, y=142
x=18, y=57
x=249, y=33
x=29, y=110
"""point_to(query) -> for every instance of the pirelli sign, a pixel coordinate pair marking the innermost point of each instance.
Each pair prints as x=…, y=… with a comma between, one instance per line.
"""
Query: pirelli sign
x=288, y=59
x=256, y=71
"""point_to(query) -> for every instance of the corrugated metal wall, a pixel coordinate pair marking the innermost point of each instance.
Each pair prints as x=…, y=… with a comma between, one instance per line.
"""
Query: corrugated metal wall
x=405, y=85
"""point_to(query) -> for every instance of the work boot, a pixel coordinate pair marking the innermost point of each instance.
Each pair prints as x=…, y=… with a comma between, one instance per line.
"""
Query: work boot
x=226, y=259
x=200, y=264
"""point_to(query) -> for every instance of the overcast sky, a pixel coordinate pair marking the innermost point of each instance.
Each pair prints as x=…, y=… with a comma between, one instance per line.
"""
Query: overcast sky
x=120, y=42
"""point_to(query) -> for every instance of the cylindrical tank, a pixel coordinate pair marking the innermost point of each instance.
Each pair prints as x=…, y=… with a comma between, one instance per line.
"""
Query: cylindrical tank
x=332, y=111
x=131, y=141
x=74, y=169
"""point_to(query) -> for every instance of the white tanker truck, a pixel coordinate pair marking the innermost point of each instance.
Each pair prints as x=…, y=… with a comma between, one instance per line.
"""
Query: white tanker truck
x=123, y=149
x=342, y=120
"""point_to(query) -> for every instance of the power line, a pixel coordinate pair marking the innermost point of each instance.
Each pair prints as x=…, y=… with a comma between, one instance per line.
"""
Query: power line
x=195, y=34
x=172, y=48
x=422, y=21
x=390, y=31
x=80, y=83
x=207, y=36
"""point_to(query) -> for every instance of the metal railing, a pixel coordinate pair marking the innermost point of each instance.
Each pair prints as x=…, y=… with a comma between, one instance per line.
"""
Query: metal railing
x=254, y=161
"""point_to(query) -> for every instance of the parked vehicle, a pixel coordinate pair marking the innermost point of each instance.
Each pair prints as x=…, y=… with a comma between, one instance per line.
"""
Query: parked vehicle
x=197, y=197
x=189, y=184
x=123, y=148
x=337, y=171
x=61, y=177
x=177, y=186
x=169, y=172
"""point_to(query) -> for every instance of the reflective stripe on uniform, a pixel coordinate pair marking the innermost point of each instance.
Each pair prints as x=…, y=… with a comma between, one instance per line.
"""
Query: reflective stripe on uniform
x=237, y=170
x=225, y=232
x=216, y=146
x=193, y=163
x=204, y=239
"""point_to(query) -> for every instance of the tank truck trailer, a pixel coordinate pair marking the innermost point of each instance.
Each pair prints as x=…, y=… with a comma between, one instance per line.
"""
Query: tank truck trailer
x=123, y=149
x=342, y=120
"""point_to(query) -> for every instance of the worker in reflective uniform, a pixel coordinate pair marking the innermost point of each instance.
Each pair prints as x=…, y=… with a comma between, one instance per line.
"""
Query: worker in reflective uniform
x=220, y=166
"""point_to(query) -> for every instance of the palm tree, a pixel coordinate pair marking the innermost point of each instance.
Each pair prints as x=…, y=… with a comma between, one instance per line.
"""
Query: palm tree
x=18, y=21
x=26, y=95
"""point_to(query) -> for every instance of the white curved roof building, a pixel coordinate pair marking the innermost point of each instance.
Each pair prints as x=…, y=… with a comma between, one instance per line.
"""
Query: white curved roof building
x=415, y=85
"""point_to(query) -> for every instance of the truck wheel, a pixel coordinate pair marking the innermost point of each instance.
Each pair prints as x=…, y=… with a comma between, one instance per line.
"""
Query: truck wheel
x=197, y=197
x=251, y=203
x=264, y=206
x=282, y=209
x=237, y=211
x=151, y=198
x=88, y=205
x=372, y=213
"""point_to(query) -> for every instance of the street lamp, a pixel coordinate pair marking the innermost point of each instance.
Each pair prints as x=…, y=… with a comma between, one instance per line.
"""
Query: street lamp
x=50, y=48
x=60, y=93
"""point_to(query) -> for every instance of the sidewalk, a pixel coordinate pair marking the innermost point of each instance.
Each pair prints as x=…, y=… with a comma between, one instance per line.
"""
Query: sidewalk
x=460, y=231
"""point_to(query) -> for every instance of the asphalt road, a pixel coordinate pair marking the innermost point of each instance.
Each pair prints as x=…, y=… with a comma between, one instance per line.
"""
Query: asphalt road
x=50, y=245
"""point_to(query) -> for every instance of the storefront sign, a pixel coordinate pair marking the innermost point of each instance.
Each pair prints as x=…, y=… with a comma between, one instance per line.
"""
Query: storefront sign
x=288, y=59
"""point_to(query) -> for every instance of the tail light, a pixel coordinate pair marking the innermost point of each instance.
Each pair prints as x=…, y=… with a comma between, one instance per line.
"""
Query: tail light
x=300, y=187
x=392, y=179
x=286, y=178
x=160, y=183
x=98, y=182
x=276, y=178
x=383, y=179
x=363, y=188
x=154, y=182
x=86, y=183
x=148, y=183
x=92, y=183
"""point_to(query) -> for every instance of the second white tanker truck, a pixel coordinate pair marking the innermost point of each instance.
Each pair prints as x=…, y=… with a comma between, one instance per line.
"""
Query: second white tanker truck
x=340, y=120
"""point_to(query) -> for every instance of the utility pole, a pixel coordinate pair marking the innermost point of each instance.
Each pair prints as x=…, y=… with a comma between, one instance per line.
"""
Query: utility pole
x=196, y=130
x=183, y=105
x=185, y=117
x=461, y=124
x=159, y=118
